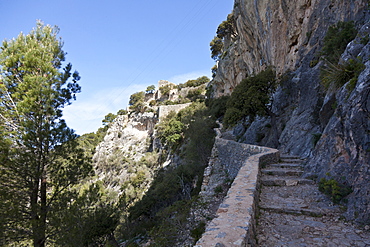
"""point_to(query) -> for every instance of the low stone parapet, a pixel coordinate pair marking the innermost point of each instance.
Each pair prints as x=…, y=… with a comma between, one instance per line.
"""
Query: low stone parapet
x=235, y=221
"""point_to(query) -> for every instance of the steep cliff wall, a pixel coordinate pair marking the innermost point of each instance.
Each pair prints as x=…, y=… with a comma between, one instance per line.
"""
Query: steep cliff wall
x=278, y=33
x=343, y=151
x=288, y=36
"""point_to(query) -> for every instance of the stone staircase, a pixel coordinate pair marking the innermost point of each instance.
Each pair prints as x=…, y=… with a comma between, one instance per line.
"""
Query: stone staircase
x=293, y=212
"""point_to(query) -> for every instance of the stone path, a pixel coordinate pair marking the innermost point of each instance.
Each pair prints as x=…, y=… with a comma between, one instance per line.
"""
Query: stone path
x=293, y=212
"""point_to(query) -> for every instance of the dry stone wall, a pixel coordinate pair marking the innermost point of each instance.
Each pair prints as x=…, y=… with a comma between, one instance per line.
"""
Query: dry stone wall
x=234, y=224
x=164, y=110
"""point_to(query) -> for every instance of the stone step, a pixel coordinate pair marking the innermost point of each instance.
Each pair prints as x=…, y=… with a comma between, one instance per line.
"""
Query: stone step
x=301, y=197
x=291, y=160
x=282, y=172
x=281, y=181
x=286, y=165
x=293, y=210
x=288, y=156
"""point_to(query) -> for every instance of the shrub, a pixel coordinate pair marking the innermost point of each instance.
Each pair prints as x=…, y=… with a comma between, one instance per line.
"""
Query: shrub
x=169, y=102
x=109, y=118
x=136, y=97
x=194, y=83
x=217, y=46
x=226, y=27
x=197, y=232
x=195, y=94
x=232, y=116
x=150, y=89
x=218, y=189
x=365, y=40
x=165, y=90
x=214, y=71
x=336, y=40
x=334, y=189
x=152, y=102
x=339, y=74
x=122, y=112
x=251, y=97
x=217, y=106
x=315, y=138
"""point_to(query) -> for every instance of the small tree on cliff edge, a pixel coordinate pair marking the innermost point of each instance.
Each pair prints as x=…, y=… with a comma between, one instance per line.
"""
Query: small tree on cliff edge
x=253, y=97
x=39, y=157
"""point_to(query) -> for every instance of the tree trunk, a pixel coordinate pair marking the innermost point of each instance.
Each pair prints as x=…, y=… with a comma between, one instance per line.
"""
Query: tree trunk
x=39, y=215
x=112, y=240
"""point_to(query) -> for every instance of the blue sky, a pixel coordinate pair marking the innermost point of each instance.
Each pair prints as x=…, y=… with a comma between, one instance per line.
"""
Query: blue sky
x=120, y=47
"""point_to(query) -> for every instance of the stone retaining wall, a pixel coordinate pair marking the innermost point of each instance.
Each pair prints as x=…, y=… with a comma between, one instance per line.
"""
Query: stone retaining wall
x=234, y=224
x=164, y=110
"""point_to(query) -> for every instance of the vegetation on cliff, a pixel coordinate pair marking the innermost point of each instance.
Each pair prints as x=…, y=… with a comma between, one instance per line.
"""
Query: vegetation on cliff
x=251, y=98
x=224, y=31
x=162, y=213
x=337, y=72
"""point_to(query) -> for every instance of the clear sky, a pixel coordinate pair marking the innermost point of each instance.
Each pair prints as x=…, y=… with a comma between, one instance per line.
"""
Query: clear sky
x=120, y=47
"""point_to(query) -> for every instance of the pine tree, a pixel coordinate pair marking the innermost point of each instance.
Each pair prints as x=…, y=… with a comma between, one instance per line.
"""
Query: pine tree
x=39, y=157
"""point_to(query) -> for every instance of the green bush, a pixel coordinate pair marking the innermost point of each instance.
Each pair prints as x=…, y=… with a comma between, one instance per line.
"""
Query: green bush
x=226, y=27
x=165, y=89
x=339, y=74
x=251, y=97
x=169, y=102
x=315, y=138
x=122, y=112
x=170, y=131
x=218, y=189
x=217, y=106
x=150, y=89
x=136, y=98
x=334, y=189
x=336, y=40
x=217, y=46
x=194, y=83
x=232, y=116
x=214, y=70
x=197, y=232
x=196, y=94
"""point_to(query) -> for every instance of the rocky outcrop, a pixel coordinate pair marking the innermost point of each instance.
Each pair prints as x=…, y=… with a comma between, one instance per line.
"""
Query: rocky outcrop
x=278, y=33
x=343, y=151
x=129, y=134
x=269, y=34
x=126, y=142
x=131, y=141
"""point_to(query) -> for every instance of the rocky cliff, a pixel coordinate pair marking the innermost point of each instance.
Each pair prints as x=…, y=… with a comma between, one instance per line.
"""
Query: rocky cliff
x=289, y=36
x=279, y=33
x=129, y=156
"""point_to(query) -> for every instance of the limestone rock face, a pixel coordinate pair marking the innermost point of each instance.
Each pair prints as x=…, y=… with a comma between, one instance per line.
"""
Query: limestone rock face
x=127, y=140
x=278, y=33
x=129, y=134
x=344, y=148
